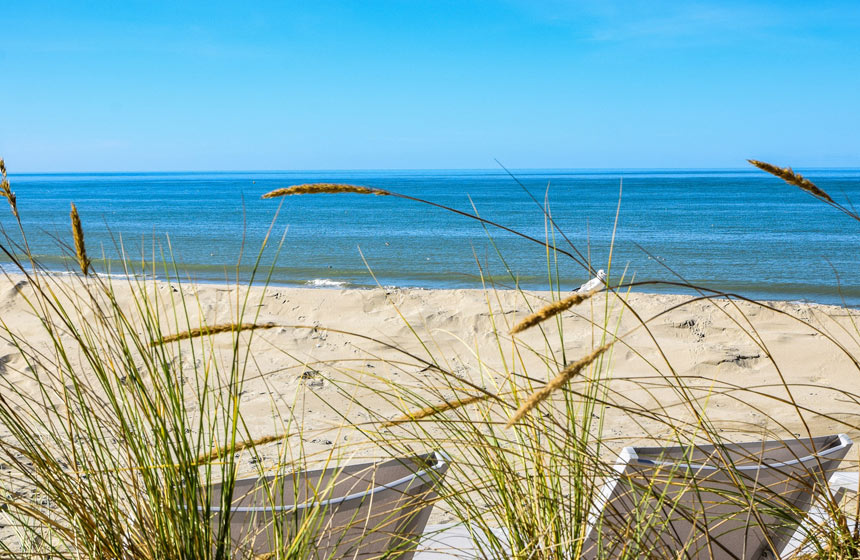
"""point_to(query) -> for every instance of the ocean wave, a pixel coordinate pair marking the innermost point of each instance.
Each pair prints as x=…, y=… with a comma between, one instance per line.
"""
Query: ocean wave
x=7, y=268
x=326, y=283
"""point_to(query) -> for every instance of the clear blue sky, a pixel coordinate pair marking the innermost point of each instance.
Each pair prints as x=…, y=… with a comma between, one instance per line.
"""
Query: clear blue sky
x=106, y=86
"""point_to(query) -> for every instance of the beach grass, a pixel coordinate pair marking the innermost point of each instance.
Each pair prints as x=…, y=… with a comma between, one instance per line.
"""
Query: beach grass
x=115, y=431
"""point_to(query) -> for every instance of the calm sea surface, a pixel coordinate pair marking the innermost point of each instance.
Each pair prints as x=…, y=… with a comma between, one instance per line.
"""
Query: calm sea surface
x=740, y=231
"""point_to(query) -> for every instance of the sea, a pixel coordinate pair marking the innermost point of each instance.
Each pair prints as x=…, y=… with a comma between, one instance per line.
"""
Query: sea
x=738, y=231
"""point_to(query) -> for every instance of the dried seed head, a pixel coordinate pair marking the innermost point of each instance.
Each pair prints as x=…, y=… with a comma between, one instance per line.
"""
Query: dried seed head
x=318, y=188
x=791, y=177
x=552, y=310
x=80, y=248
x=214, y=329
x=219, y=452
x=433, y=410
x=557, y=382
x=6, y=189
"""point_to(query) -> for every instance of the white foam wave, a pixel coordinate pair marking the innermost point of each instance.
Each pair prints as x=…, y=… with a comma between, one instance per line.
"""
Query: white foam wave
x=325, y=283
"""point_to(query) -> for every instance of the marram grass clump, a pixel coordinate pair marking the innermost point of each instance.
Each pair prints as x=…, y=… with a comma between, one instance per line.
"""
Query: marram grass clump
x=107, y=452
x=321, y=188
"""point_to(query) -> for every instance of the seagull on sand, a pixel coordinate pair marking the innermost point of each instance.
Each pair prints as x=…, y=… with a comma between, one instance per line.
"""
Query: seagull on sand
x=593, y=283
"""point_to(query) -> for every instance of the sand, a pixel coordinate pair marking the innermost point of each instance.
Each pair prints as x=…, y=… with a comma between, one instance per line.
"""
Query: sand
x=703, y=339
x=747, y=362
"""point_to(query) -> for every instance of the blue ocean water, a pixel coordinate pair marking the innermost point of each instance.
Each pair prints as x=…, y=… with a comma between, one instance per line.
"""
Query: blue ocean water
x=740, y=231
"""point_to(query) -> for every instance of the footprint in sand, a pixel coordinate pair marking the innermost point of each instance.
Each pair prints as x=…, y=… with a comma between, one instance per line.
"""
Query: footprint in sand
x=4, y=360
x=15, y=290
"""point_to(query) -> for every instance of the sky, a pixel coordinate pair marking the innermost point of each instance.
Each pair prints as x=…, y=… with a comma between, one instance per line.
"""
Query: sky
x=406, y=84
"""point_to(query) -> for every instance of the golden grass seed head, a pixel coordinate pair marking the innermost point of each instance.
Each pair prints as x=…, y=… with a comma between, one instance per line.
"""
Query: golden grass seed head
x=791, y=177
x=218, y=452
x=6, y=189
x=213, y=329
x=552, y=310
x=320, y=188
x=78, y=235
x=556, y=383
x=10, y=196
x=432, y=410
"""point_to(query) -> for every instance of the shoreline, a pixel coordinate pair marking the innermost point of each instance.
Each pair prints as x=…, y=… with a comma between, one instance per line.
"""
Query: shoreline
x=334, y=284
x=725, y=232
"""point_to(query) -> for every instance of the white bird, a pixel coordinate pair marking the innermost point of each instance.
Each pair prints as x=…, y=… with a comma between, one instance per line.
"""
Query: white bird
x=593, y=283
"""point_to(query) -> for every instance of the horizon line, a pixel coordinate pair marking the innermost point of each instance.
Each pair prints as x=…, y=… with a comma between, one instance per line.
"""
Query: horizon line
x=417, y=169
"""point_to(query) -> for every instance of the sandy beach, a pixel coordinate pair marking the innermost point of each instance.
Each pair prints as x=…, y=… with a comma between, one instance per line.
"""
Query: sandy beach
x=329, y=367
x=333, y=347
